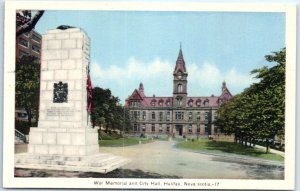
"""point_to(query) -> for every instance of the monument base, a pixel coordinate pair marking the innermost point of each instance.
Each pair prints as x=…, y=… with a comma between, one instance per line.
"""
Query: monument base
x=101, y=163
x=68, y=149
x=63, y=141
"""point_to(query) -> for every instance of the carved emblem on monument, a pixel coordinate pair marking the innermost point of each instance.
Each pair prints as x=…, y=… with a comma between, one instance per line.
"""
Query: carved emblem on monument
x=60, y=92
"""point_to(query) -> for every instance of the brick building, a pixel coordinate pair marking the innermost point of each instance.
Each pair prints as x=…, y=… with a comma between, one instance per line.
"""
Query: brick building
x=29, y=44
x=177, y=114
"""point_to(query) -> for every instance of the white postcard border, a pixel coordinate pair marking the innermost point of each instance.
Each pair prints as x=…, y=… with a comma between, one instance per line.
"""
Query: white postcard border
x=10, y=181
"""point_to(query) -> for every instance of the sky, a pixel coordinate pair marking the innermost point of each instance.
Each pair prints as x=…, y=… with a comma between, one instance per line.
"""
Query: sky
x=129, y=47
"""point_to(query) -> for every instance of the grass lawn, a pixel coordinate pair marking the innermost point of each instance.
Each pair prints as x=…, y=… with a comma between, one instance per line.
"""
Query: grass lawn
x=227, y=147
x=123, y=142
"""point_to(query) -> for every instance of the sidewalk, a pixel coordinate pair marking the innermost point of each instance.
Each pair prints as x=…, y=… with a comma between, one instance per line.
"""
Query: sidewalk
x=271, y=150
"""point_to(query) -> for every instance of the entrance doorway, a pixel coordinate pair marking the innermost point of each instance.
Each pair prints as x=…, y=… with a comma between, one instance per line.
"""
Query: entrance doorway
x=179, y=129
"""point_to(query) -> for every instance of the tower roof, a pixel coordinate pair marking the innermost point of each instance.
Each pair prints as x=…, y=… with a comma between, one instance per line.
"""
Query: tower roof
x=180, y=64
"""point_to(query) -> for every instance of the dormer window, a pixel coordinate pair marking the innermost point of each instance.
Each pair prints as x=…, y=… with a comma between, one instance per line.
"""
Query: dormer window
x=190, y=103
x=160, y=103
x=198, y=103
x=168, y=102
x=206, y=103
x=153, y=102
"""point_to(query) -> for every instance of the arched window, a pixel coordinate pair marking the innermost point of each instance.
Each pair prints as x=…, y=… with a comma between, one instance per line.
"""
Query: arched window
x=190, y=103
x=179, y=101
x=179, y=88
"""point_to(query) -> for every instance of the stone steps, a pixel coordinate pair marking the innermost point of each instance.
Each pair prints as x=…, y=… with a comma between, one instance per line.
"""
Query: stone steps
x=101, y=163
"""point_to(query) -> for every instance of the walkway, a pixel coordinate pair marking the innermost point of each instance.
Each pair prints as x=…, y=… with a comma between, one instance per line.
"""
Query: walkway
x=163, y=158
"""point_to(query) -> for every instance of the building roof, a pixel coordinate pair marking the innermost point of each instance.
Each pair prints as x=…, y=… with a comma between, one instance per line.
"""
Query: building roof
x=190, y=102
x=180, y=64
x=202, y=101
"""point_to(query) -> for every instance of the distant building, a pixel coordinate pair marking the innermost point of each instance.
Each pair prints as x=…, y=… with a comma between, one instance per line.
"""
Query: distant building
x=178, y=114
x=29, y=44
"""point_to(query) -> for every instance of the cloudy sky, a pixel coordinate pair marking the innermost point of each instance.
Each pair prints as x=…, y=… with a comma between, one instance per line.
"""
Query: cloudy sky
x=132, y=47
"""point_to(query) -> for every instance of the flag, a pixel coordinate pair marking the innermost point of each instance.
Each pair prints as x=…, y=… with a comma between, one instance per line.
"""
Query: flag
x=89, y=94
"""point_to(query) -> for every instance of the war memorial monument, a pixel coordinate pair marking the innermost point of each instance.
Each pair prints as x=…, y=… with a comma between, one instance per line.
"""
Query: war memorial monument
x=64, y=138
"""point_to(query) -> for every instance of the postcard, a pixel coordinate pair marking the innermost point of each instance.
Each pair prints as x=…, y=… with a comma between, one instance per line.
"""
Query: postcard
x=137, y=95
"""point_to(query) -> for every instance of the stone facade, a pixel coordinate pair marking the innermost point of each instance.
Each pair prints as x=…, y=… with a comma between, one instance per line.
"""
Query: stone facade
x=63, y=125
x=177, y=114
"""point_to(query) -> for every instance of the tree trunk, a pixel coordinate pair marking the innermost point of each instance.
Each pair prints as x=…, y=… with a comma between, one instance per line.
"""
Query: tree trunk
x=267, y=146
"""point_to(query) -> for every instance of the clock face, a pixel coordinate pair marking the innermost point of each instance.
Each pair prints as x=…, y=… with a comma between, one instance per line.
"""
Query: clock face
x=179, y=76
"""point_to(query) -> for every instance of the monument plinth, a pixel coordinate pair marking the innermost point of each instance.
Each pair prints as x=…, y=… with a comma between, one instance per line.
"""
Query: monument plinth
x=64, y=133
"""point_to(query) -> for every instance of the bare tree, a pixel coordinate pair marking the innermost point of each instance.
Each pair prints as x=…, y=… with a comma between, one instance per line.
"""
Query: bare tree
x=25, y=23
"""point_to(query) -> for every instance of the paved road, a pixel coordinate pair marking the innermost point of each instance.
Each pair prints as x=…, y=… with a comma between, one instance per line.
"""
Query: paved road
x=163, y=158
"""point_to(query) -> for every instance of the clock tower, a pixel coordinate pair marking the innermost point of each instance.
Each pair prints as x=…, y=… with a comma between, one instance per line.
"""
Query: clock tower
x=180, y=82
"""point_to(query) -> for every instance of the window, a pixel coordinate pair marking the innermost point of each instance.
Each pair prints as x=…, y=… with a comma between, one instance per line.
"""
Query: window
x=36, y=38
x=179, y=115
x=198, y=103
x=160, y=116
x=198, y=116
x=22, y=53
x=190, y=103
x=135, y=128
x=190, y=128
x=35, y=58
x=179, y=88
x=160, y=103
x=206, y=116
x=168, y=127
x=135, y=103
x=143, y=127
x=206, y=128
x=206, y=103
x=152, y=127
x=215, y=116
x=198, y=128
x=27, y=34
x=179, y=101
x=160, y=128
x=131, y=115
x=168, y=103
x=23, y=42
x=190, y=116
x=36, y=48
x=168, y=116
x=153, y=103
x=144, y=115
x=136, y=115
x=153, y=116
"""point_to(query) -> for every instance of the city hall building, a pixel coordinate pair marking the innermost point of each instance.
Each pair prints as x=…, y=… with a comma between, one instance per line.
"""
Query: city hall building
x=177, y=114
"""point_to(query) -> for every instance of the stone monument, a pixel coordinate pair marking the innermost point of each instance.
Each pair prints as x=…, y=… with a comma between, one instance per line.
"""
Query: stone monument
x=64, y=139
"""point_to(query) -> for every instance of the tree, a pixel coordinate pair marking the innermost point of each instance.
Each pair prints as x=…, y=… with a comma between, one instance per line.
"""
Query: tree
x=27, y=85
x=107, y=111
x=258, y=112
x=24, y=21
